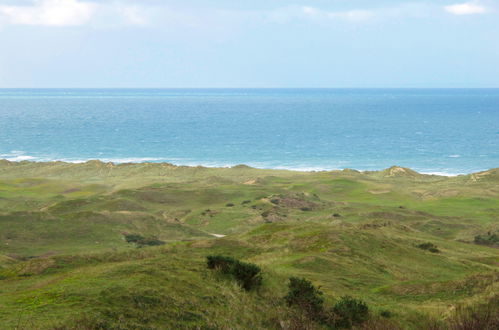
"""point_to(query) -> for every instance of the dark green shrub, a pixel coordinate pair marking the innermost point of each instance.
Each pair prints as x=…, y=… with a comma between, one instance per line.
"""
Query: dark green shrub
x=142, y=241
x=133, y=238
x=246, y=274
x=151, y=241
x=386, y=314
x=220, y=262
x=229, y=204
x=274, y=201
x=349, y=311
x=305, y=209
x=246, y=202
x=304, y=295
x=429, y=247
x=488, y=239
x=337, y=215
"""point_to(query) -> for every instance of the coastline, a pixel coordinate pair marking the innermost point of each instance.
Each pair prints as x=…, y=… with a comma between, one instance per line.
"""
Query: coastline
x=153, y=161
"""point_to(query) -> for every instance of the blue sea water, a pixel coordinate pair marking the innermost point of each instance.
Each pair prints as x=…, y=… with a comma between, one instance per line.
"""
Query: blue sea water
x=430, y=130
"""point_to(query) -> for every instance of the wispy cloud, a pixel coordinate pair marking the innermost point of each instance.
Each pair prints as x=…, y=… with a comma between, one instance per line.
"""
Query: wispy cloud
x=295, y=13
x=50, y=13
x=349, y=15
x=357, y=15
x=72, y=13
x=112, y=13
x=468, y=8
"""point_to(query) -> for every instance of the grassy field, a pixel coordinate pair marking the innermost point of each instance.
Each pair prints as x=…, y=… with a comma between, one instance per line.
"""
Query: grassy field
x=65, y=263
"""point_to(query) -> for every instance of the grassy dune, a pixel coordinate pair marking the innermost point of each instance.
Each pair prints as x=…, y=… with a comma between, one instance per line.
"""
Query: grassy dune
x=65, y=263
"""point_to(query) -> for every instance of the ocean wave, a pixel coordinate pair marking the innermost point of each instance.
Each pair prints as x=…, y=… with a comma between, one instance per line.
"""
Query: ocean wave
x=17, y=156
x=441, y=173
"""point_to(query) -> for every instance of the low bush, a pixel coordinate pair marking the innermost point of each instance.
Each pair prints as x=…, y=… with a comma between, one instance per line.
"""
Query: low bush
x=489, y=239
x=246, y=274
x=142, y=241
x=386, y=314
x=304, y=295
x=229, y=204
x=344, y=314
x=429, y=247
x=150, y=241
x=350, y=311
x=133, y=238
x=221, y=263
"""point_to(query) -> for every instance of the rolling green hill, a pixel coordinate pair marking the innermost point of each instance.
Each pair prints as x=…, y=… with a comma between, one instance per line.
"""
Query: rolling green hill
x=65, y=262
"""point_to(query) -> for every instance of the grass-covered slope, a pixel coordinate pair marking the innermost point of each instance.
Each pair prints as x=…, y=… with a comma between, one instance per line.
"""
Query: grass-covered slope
x=64, y=259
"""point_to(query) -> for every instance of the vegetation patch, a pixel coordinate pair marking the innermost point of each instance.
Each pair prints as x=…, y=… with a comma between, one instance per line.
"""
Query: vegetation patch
x=61, y=247
x=305, y=296
x=309, y=300
x=484, y=315
x=247, y=274
x=349, y=312
x=429, y=247
x=489, y=239
x=142, y=241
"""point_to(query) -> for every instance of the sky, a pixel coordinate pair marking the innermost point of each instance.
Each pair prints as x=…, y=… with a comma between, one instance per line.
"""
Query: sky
x=252, y=43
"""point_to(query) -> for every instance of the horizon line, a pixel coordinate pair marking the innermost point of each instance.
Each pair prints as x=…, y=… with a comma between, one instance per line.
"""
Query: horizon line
x=180, y=88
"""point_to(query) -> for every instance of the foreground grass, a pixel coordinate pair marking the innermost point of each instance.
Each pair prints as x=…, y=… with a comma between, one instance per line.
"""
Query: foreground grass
x=64, y=262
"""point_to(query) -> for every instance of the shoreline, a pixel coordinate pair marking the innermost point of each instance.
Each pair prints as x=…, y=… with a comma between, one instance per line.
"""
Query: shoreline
x=152, y=161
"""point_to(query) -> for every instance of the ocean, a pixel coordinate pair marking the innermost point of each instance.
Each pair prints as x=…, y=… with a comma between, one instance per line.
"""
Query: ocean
x=442, y=131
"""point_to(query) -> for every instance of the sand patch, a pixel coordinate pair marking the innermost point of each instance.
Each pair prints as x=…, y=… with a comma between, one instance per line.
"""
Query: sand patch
x=378, y=192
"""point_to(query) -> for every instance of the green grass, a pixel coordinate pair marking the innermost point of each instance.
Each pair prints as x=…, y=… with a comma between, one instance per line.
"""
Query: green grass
x=64, y=260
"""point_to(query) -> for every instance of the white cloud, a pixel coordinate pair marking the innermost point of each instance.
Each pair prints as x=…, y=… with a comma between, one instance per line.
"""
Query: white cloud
x=468, y=8
x=353, y=15
x=350, y=15
x=50, y=13
x=115, y=13
x=73, y=13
